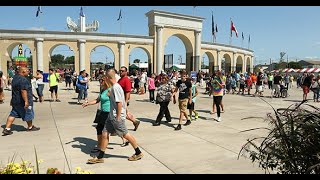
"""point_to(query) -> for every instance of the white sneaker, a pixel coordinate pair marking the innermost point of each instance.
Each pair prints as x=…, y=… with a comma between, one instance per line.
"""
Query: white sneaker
x=219, y=119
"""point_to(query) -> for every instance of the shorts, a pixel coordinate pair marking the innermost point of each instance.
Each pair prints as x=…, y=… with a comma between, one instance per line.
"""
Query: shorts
x=21, y=112
x=259, y=88
x=190, y=106
x=53, y=89
x=241, y=86
x=115, y=126
x=183, y=104
x=100, y=125
x=305, y=89
x=40, y=90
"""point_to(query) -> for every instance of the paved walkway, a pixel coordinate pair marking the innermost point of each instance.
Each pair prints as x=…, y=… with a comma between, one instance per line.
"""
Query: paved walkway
x=206, y=146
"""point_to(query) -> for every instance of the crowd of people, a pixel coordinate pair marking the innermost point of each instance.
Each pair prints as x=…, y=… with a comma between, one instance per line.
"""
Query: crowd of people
x=116, y=88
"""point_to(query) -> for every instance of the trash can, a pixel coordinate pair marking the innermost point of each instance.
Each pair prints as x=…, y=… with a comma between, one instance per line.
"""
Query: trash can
x=45, y=77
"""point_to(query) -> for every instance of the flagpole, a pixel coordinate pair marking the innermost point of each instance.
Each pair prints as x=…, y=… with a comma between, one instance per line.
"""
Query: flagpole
x=230, y=42
x=121, y=26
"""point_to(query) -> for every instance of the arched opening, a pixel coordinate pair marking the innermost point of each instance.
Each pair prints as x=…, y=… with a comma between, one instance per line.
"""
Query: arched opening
x=61, y=58
x=248, y=64
x=207, y=63
x=139, y=59
x=226, y=63
x=101, y=58
x=178, y=53
x=20, y=56
x=239, y=64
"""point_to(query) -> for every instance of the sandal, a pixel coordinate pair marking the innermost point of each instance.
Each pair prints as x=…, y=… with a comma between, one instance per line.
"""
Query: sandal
x=95, y=161
x=212, y=112
x=125, y=144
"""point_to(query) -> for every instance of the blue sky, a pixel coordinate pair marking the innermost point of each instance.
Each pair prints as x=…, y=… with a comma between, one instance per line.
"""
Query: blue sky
x=294, y=30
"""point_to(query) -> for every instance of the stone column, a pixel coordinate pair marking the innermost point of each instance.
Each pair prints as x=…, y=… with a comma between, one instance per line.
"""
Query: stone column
x=159, y=49
x=82, y=54
x=218, y=66
x=39, y=49
x=244, y=65
x=121, y=53
x=251, y=64
x=197, y=49
x=234, y=62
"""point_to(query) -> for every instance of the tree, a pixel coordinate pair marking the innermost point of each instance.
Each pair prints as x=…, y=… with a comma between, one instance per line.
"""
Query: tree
x=136, y=61
x=281, y=65
x=57, y=59
x=69, y=60
x=295, y=65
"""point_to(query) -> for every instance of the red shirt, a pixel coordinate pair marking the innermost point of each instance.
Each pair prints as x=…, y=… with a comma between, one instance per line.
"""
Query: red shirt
x=125, y=83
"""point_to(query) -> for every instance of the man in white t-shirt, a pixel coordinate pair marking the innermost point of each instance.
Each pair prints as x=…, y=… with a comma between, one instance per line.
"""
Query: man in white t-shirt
x=116, y=121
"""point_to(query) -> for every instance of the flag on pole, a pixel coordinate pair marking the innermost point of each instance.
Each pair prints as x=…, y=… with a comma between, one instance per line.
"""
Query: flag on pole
x=216, y=28
x=242, y=36
x=120, y=16
x=81, y=12
x=212, y=28
x=233, y=28
x=38, y=11
x=249, y=38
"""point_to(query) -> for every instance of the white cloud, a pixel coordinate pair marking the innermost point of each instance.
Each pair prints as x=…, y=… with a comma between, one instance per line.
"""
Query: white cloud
x=37, y=28
x=309, y=57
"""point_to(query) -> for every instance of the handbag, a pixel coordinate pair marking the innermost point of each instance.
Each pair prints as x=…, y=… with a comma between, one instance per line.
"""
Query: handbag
x=99, y=114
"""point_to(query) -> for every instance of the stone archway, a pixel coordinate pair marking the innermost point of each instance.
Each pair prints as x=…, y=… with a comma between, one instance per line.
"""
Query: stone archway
x=211, y=60
x=239, y=64
x=227, y=63
x=188, y=49
x=248, y=64
x=147, y=59
x=68, y=54
x=101, y=56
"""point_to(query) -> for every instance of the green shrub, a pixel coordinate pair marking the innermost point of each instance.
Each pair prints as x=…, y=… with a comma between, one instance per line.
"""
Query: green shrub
x=292, y=144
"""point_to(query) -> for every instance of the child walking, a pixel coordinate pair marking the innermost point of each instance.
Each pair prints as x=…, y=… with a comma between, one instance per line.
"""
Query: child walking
x=194, y=97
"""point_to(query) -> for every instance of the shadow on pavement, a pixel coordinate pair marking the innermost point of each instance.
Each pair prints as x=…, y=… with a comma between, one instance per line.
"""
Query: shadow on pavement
x=17, y=128
x=74, y=103
x=151, y=121
x=86, y=145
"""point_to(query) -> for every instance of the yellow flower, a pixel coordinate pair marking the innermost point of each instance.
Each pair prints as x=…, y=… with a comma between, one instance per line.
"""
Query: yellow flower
x=40, y=161
x=25, y=162
x=78, y=168
x=18, y=171
x=29, y=170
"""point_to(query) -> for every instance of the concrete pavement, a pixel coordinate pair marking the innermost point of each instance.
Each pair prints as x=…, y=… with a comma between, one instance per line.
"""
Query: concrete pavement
x=206, y=146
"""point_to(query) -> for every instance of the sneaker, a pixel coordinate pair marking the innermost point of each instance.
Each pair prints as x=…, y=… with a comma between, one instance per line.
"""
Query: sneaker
x=57, y=100
x=219, y=119
x=187, y=123
x=196, y=116
x=33, y=129
x=135, y=157
x=178, y=127
x=6, y=132
x=95, y=160
x=136, y=125
x=125, y=144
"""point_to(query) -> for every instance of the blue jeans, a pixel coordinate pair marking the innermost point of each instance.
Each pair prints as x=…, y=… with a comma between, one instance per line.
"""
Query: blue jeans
x=82, y=92
x=40, y=90
x=316, y=94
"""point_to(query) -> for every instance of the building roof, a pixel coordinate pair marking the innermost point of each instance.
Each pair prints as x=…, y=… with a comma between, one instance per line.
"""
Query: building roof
x=314, y=61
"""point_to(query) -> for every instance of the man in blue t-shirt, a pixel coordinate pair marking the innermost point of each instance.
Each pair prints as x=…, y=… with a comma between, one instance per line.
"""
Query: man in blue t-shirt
x=21, y=102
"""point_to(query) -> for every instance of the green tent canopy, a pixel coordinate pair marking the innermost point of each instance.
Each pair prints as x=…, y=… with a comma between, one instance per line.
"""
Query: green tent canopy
x=175, y=68
x=133, y=66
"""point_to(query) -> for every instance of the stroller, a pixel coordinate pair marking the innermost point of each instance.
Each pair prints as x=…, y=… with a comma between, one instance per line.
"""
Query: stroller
x=283, y=91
